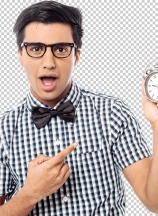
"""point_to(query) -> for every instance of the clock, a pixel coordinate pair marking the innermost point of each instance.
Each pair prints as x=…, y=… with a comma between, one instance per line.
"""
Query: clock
x=151, y=81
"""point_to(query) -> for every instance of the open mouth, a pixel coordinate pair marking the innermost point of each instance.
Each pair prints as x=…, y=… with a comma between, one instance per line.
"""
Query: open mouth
x=47, y=81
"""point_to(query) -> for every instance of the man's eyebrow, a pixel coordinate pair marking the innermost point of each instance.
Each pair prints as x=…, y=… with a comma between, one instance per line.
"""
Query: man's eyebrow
x=49, y=44
x=33, y=42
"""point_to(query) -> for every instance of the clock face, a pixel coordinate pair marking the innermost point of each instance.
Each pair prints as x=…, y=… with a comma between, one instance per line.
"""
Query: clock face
x=151, y=86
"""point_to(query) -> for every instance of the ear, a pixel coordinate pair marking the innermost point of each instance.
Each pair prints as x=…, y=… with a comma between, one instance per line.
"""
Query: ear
x=77, y=56
x=19, y=52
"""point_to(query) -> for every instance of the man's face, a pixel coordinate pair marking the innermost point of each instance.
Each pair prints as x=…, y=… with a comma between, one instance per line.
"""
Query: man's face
x=41, y=70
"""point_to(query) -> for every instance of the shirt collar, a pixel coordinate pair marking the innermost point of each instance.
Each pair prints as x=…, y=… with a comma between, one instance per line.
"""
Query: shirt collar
x=73, y=95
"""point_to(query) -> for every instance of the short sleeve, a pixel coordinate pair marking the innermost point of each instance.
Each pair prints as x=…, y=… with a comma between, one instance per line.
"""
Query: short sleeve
x=6, y=181
x=128, y=143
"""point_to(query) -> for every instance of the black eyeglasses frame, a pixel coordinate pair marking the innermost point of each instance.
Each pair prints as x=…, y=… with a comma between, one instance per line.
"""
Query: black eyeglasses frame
x=25, y=44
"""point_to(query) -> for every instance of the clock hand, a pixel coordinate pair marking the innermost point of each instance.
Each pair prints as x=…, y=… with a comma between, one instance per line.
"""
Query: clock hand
x=155, y=86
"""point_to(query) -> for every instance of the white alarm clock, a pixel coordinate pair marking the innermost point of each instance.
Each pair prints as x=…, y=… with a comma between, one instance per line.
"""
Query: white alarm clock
x=151, y=81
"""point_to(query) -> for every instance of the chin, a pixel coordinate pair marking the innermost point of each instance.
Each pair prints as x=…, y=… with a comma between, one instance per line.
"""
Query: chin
x=48, y=97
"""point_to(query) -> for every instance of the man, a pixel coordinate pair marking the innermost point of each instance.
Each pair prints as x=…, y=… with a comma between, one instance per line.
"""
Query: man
x=40, y=172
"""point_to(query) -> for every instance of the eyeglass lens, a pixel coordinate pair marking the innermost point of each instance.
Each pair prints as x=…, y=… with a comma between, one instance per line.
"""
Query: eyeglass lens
x=59, y=50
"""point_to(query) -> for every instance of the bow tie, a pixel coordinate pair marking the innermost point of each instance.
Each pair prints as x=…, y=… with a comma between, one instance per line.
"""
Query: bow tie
x=41, y=116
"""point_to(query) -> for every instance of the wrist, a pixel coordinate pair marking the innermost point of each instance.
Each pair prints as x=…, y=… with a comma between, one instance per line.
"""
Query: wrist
x=30, y=196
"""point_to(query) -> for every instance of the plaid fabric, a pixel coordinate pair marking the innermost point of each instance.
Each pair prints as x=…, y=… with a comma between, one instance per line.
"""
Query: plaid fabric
x=109, y=139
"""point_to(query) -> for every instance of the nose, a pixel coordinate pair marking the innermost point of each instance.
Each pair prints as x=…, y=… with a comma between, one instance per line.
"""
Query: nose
x=48, y=59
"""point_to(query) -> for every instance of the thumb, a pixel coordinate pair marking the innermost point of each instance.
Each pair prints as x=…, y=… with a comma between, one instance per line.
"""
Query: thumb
x=39, y=160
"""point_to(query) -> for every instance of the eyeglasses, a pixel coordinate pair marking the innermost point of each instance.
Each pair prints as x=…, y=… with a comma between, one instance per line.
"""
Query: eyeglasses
x=59, y=50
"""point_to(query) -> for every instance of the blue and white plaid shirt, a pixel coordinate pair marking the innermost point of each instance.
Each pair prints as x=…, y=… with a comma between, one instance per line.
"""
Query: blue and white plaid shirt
x=109, y=139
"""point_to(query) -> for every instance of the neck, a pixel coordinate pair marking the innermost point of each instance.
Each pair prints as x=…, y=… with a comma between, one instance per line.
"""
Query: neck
x=52, y=102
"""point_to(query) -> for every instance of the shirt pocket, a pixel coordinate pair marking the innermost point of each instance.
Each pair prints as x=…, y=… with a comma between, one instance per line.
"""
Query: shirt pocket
x=89, y=175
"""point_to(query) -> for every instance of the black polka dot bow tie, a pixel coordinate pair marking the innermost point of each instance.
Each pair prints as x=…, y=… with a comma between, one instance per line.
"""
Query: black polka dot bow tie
x=41, y=116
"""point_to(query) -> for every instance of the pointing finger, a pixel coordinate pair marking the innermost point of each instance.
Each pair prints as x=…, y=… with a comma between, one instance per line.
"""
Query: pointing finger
x=63, y=154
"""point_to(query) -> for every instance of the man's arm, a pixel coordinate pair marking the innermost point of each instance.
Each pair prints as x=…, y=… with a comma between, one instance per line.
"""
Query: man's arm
x=137, y=175
x=45, y=176
x=20, y=204
x=143, y=175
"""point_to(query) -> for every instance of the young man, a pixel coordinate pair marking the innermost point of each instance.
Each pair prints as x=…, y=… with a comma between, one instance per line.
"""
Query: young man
x=40, y=172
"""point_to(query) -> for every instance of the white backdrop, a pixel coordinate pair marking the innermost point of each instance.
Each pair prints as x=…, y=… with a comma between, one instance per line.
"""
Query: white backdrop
x=119, y=40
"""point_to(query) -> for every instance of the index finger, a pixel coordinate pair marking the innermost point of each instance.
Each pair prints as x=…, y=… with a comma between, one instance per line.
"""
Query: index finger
x=64, y=153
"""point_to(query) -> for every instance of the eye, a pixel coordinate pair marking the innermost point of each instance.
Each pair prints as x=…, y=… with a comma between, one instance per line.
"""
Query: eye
x=36, y=49
x=60, y=49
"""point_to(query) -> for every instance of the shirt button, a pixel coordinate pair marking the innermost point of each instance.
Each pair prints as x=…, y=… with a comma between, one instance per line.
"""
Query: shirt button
x=65, y=199
x=57, y=142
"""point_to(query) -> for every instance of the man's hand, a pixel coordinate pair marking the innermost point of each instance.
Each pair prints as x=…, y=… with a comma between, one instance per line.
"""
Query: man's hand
x=46, y=175
x=150, y=109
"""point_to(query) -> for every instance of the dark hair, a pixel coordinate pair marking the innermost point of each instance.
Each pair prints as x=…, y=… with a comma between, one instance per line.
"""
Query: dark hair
x=50, y=12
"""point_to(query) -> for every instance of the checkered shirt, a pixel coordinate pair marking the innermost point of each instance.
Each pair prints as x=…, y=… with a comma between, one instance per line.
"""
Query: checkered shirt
x=109, y=139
